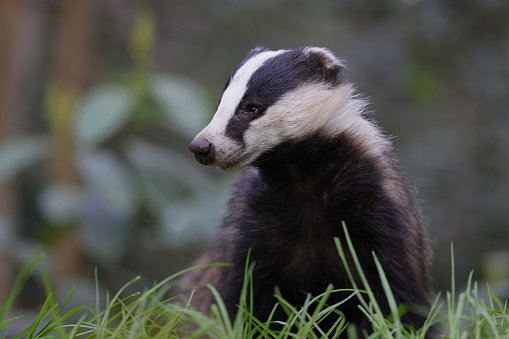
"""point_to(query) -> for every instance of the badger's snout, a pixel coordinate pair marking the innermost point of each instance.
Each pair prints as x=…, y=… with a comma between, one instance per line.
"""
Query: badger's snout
x=203, y=151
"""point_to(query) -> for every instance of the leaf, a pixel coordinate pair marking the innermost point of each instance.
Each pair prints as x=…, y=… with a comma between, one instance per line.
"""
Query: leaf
x=176, y=229
x=102, y=113
x=107, y=177
x=60, y=203
x=168, y=163
x=20, y=154
x=169, y=179
x=183, y=103
x=109, y=204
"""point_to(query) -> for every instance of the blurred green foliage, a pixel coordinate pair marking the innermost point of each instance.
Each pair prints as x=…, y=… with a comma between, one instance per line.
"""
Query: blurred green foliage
x=130, y=182
x=19, y=154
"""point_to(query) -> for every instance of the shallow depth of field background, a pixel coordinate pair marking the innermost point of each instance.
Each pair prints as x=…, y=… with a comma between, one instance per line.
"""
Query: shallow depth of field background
x=99, y=99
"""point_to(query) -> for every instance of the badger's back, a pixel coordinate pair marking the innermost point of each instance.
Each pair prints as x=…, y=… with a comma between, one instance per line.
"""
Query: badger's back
x=315, y=160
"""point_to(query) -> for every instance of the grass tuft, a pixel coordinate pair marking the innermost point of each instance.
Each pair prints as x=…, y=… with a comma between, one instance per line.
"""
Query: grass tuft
x=152, y=314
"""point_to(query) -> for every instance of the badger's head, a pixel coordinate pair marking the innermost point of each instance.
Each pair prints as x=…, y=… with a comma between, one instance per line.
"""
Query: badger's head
x=270, y=98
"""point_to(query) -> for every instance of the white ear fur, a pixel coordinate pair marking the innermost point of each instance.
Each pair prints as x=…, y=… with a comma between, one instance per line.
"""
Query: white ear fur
x=330, y=59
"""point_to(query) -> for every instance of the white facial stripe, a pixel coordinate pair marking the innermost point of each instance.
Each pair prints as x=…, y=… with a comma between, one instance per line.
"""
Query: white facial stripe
x=349, y=118
x=313, y=108
x=308, y=109
x=233, y=94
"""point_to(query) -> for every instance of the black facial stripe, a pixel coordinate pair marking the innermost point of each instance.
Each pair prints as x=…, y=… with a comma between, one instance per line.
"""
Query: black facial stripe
x=241, y=120
x=285, y=72
x=236, y=127
x=278, y=76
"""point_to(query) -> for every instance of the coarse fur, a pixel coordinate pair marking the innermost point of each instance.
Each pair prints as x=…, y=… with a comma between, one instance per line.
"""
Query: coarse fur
x=314, y=158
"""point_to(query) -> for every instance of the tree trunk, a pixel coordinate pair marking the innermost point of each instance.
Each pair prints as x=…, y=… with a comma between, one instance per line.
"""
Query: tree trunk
x=20, y=32
x=73, y=69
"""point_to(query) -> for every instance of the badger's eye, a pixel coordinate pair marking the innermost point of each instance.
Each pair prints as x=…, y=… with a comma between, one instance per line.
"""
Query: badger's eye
x=251, y=110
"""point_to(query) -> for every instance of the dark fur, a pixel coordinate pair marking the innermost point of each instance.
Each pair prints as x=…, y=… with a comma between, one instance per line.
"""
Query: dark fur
x=288, y=209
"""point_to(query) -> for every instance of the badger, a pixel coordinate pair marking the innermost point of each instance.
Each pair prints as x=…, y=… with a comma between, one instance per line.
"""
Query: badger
x=313, y=158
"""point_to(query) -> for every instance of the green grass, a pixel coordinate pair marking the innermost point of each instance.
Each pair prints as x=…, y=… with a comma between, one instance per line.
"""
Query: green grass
x=150, y=314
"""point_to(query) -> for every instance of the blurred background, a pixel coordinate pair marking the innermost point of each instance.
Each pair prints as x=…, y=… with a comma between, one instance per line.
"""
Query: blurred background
x=99, y=100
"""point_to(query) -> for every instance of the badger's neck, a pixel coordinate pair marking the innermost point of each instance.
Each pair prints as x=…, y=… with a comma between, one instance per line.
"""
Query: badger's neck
x=306, y=189
x=320, y=167
x=349, y=150
x=325, y=179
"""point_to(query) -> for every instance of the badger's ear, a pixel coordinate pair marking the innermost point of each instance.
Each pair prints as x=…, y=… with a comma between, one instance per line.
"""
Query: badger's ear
x=252, y=53
x=255, y=51
x=331, y=67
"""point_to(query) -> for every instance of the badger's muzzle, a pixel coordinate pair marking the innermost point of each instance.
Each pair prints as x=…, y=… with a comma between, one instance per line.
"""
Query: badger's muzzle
x=203, y=151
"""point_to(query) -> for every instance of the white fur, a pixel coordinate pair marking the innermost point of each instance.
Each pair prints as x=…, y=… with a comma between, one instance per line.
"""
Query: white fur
x=333, y=61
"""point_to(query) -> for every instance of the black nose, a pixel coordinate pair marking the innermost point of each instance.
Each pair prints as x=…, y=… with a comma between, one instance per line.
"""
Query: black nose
x=203, y=151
